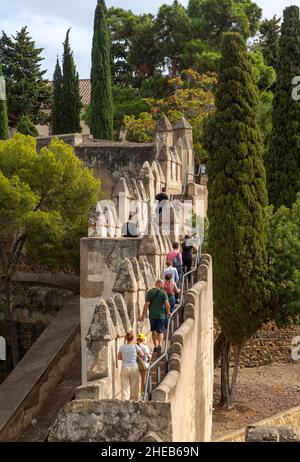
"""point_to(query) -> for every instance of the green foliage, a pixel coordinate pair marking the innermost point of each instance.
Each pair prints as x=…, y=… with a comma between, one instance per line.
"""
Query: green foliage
x=198, y=55
x=265, y=116
x=57, y=103
x=264, y=75
x=284, y=254
x=211, y=18
x=45, y=198
x=172, y=31
x=282, y=158
x=26, y=127
x=269, y=39
x=3, y=112
x=191, y=96
x=70, y=97
x=141, y=129
x=101, y=93
x=127, y=101
x=238, y=198
x=27, y=91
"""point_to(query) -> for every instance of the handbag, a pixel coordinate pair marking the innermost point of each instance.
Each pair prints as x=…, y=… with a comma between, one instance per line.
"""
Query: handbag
x=141, y=364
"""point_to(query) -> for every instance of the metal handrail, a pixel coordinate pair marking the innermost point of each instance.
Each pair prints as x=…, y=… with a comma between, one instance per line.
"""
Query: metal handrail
x=176, y=311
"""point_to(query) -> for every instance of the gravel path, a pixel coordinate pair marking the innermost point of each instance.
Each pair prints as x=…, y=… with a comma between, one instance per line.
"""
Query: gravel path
x=261, y=393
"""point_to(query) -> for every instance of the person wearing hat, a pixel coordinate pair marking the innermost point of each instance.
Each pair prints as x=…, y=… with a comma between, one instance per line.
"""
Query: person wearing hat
x=140, y=340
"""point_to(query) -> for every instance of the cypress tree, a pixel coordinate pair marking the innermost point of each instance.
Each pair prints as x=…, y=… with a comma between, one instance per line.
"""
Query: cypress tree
x=71, y=103
x=101, y=91
x=283, y=158
x=3, y=109
x=57, y=101
x=238, y=198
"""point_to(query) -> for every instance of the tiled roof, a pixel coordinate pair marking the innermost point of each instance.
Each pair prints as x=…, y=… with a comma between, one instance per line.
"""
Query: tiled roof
x=85, y=91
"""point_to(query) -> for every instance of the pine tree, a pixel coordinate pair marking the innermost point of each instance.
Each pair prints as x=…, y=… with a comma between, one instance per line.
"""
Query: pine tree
x=3, y=109
x=269, y=40
x=57, y=101
x=71, y=102
x=238, y=199
x=283, y=158
x=101, y=92
x=27, y=91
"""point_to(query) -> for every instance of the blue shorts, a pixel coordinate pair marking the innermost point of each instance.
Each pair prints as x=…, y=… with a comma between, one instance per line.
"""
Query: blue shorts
x=158, y=325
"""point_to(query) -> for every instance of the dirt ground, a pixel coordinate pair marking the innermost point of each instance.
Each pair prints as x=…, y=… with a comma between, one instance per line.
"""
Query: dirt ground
x=261, y=393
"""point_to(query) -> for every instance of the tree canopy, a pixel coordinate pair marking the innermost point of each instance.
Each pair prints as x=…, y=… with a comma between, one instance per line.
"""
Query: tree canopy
x=45, y=202
x=27, y=90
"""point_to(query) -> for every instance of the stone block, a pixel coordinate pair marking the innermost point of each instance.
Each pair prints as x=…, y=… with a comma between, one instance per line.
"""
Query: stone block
x=123, y=312
x=116, y=318
x=99, y=389
x=125, y=280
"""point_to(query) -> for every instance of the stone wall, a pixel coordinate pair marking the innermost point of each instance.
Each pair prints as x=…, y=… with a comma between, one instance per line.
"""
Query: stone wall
x=115, y=270
x=112, y=421
x=290, y=418
x=172, y=150
x=27, y=388
x=269, y=345
x=191, y=364
x=35, y=307
x=94, y=416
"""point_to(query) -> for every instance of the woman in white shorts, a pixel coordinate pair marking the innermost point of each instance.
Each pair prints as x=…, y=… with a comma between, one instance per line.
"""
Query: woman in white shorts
x=130, y=373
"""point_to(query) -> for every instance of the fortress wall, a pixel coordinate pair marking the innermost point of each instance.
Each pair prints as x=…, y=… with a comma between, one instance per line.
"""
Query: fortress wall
x=191, y=364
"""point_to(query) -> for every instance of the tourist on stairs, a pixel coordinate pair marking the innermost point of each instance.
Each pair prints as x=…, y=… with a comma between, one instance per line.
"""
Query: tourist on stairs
x=130, y=373
x=157, y=303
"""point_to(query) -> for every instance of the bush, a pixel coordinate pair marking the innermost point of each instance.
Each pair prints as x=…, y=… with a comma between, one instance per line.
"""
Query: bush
x=27, y=127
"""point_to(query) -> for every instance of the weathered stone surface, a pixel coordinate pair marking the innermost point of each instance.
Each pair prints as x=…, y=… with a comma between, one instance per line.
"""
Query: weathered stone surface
x=182, y=124
x=176, y=348
x=99, y=389
x=101, y=327
x=138, y=274
x=184, y=330
x=125, y=280
x=165, y=154
x=162, y=175
x=131, y=300
x=149, y=245
x=175, y=362
x=122, y=188
x=278, y=433
x=166, y=387
x=143, y=191
x=262, y=434
x=145, y=272
x=112, y=421
x=152, y=437
x=116, y=318
x=123, y=312
x=287, y=434
x=189, y=311
x=164, y=124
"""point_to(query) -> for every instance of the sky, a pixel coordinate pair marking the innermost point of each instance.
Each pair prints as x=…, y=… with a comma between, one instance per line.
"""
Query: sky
x=48, y=22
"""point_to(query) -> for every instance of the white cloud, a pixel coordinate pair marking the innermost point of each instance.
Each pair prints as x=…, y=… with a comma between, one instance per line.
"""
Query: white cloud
x=49, y=33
